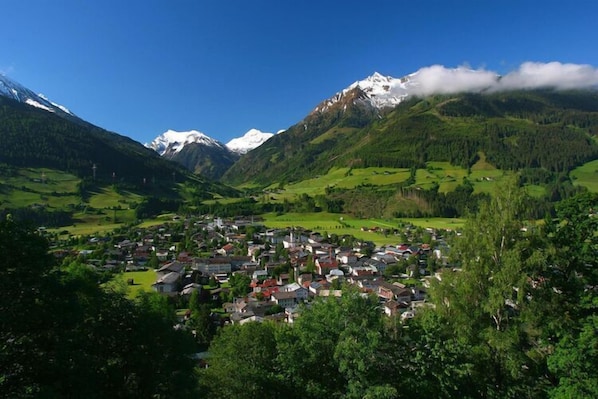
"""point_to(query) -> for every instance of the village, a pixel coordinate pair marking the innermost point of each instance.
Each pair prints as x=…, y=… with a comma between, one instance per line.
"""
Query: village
x=250, y=274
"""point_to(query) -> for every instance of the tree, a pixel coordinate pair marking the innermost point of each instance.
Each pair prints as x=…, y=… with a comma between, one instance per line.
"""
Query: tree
x=574, y=362
x=486, y=301
x=570, y=295
x=64, y=336
x=337, y=348
x=153, y=262
x=239, y=285
x=202, y=325
x=243, y=363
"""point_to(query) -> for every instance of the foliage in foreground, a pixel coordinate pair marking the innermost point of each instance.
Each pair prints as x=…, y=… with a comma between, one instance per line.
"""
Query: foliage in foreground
x=517, y=320
x=63, y=336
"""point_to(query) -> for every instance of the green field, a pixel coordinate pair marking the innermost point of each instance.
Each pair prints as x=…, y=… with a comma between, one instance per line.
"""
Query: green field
x=344, y=178
x=587, y=176
x=142, y=281
x=47, y=187
x=332, y=223
x=483, y=176
x=447, y=176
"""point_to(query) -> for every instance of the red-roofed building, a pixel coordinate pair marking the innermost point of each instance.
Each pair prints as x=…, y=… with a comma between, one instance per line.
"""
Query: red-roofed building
x=325, y=264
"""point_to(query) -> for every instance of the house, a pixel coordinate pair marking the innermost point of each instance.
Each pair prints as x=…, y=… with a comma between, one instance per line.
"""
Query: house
x=272, y=236
x=305, y=277
x=362, y=271
x=380, y=266
x=262, y=286
x=391, y=308
x=335, y=274
x=316, y=286
x=301, y=293
x=384, y=257
x=259, y=275
x=283, y=279
x=313, y=247
x=397, y=292
x=325, y=264
x=293, y=240
x=171, y=267
x=346, y=257
x=327, y=293
x=190, y=289
x=162, y=254
x=292, y=314
x=168, y=284
x=184, y=257
x=125, y=244
x=285, y=298
x=237, y=261
x=209, y=266
x=410, y=314
x=226, y=250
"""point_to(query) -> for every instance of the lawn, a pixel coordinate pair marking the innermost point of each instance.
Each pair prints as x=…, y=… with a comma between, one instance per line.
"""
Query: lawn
x=333, y=223
x=109, y=198
x=142, y=281
x=446, y=175
x=344, y=178
x=29, y=186
x=586, y=175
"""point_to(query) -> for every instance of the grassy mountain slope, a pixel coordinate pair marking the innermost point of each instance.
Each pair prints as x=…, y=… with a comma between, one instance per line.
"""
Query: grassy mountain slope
x=47, y=172
x=545, y=129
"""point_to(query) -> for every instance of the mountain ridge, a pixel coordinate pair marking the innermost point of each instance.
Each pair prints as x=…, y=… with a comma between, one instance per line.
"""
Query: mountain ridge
x=14, y=90
x=353, y=132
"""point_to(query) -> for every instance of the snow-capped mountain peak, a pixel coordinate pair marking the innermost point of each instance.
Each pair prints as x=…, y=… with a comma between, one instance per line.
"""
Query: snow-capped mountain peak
x=250, y=140
x=15, y=91
x=378, y=90
x=172, y=141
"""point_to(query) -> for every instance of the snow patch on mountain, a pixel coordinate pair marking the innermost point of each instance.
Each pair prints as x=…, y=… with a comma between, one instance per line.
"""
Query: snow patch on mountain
x=61, y=107
x=250, y=140
x=378, y=90
x=385, y=91
x=15, y=91
x=171, y=142
x=35, y=104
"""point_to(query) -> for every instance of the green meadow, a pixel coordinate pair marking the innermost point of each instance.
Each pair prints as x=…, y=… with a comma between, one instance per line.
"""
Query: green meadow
x=142, y=281
x=333, y=223
x=586, y=175
x=38, y=186
x=482, y=175
x=344, y=178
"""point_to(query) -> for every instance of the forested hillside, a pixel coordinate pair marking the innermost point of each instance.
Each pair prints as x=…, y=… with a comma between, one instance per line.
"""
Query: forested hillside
x=547, y=130
x=36, y=138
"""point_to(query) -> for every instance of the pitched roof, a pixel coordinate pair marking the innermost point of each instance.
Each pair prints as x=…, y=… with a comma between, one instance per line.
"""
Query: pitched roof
x=169, y=278
x=172, y=267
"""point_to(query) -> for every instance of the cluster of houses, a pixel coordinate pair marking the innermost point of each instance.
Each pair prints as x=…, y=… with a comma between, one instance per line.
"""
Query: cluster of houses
x=317, y=269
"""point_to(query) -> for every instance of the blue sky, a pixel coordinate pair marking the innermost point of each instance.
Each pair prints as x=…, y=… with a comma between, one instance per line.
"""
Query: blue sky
x=140, y=68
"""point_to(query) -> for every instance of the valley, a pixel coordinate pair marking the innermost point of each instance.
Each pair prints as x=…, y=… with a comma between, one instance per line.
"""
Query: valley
x=393, y=243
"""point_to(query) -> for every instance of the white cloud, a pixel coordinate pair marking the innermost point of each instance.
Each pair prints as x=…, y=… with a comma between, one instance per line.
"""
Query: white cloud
x=437, y=79
x=533, y=75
